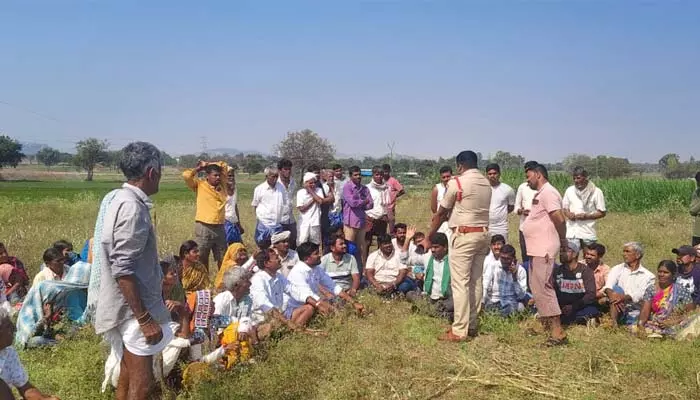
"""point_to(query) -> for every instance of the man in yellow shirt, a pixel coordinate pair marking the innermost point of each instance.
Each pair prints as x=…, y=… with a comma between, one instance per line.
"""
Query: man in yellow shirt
x=209, y=219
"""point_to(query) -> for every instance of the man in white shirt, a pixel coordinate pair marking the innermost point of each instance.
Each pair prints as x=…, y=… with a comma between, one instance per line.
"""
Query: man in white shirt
x=505, y=290
x=436, y=279
x=289, y=187
x=271, y=292
x=492, y=261
x=378, y=216
x=311, y=281
x=55, y=269
x=401, y=239
x=335, y=212
x=340, y=179
x=523, y=204
x=288, y=257
x=626, y=285
x=583, y=204
x=310, y=198
x=385, y=271
x=269, y=198
x=232, y=219
x=502, y=201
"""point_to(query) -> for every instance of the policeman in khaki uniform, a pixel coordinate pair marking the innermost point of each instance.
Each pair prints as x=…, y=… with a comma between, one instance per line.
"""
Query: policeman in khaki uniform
x=467, y=202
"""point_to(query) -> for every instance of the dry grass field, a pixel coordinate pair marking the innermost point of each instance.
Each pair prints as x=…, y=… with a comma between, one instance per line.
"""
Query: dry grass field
x=390, y=354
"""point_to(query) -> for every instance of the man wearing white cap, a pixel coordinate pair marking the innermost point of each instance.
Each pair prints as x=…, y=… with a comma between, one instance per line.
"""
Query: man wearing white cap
x=288, y=257
x=309, y=200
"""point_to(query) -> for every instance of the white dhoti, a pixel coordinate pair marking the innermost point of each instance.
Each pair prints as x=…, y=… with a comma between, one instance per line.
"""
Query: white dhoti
x=129, y=335
x=308, y=233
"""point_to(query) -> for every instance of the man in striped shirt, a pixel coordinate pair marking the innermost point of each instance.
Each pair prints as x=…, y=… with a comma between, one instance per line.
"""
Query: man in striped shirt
x=341, y=266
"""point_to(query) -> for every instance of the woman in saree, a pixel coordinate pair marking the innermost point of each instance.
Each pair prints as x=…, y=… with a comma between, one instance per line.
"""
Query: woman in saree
x=665, y=305
x=236, y=256
x=195, y=275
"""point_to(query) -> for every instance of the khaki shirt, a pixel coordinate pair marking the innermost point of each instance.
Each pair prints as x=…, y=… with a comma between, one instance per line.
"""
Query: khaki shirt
x=473, y=210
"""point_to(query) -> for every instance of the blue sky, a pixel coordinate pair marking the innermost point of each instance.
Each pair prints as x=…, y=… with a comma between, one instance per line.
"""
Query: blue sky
x=543, y=79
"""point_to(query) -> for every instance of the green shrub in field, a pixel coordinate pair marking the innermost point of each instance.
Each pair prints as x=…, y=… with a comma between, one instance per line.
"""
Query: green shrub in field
x=625, y=194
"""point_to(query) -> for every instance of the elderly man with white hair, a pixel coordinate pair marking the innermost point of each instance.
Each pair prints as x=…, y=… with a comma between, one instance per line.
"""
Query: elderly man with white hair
x=626, y=285
x=269, y=200
x=309, y=200
x=234, y=301
x=288, y=257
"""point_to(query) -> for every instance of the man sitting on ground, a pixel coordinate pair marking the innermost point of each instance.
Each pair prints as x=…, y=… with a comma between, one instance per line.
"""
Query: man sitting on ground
x=56, y=268
x=626, y=285
x=575, y=286
x=594, y=259
x=385, y=271
x=270, y=291
x=309, y=279
x=66, y=248
x=353, y=249
x=436, y=278
x=492, y=261
x=688, y=271
x=505, y=291
x=400, y=230
x=341, y=266
x=288, y=257
x=234, y=302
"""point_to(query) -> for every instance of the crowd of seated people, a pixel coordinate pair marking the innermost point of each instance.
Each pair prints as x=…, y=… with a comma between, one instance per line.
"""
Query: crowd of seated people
x=220, y=321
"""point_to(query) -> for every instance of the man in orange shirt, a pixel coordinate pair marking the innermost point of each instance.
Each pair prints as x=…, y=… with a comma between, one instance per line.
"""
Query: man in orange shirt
x=209, y=232
x=545, y=234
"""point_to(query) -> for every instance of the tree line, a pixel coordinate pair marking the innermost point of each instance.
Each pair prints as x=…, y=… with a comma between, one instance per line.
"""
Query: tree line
x=307, y=147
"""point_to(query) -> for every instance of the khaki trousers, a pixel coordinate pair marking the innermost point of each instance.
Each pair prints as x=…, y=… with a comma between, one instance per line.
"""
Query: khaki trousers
x=358, y=237
x=542, y=286
x=467, y=254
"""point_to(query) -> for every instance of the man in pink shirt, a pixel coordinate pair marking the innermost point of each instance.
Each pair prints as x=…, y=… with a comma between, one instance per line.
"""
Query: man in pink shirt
x=395, y=191
x=545, y=234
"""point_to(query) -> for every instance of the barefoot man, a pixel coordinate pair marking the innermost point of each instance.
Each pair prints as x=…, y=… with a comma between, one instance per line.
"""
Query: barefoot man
x=545, y=234
x=130, y=310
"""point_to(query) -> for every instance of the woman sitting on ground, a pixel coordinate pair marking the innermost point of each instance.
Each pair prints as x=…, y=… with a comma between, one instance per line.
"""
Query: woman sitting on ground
x=178, y=308
x=236, y=256
x=665, y=305
x=14, y=276
x=195, y=275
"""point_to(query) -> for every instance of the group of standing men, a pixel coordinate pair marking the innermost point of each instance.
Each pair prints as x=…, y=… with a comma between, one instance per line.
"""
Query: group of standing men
x=326, y=202
x=476, y=207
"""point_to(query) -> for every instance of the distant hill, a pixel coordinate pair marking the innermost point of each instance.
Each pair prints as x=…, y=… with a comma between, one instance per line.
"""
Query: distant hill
x=232, y=152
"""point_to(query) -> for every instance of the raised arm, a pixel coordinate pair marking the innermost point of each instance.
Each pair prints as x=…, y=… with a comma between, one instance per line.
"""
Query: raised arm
x=433, y=200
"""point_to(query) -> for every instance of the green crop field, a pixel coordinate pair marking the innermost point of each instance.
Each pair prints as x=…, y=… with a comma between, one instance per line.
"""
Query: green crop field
x=392, y=353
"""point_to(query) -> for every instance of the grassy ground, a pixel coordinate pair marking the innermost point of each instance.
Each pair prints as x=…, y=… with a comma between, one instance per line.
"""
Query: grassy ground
x=392, y=353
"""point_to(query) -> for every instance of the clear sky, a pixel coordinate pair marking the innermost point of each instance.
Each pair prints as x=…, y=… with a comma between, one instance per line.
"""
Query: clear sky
x=540, y=78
